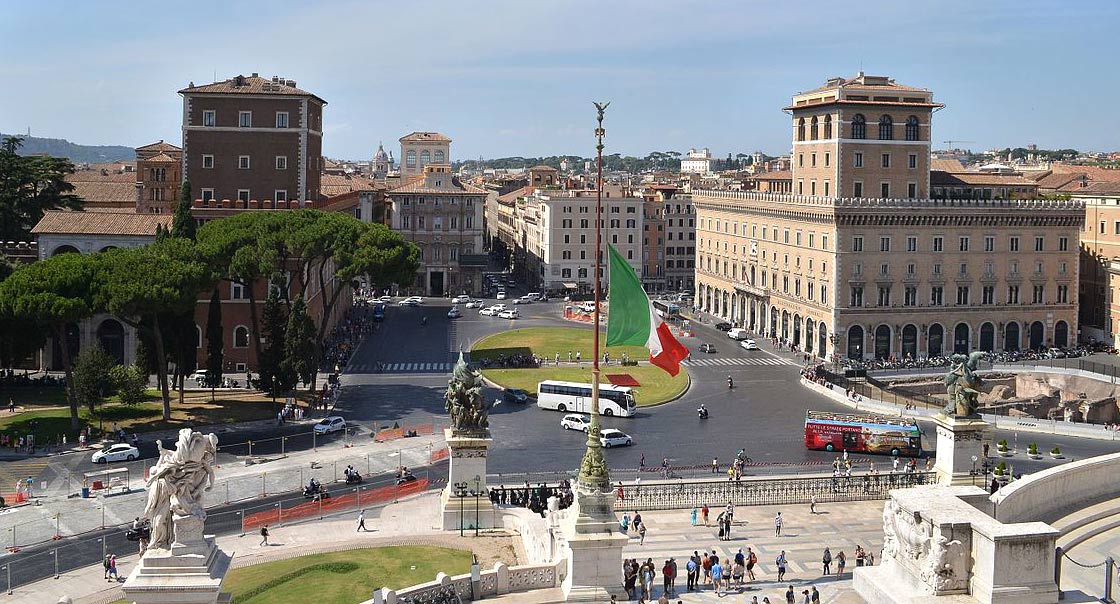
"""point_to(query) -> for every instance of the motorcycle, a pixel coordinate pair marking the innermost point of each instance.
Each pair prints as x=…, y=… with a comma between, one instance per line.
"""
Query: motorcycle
x=702, y=412
x=353, y=478
x=730, y=383
x=315, y=492
x=142, y=531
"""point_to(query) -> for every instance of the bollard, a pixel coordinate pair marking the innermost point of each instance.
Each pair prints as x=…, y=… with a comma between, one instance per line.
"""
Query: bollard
x=1109, y=567
x=283, y=441
x=55, y=554
x=250, y=449
x=264, y=485
x=280, y=512
x=1058, y=552
x=242, y=514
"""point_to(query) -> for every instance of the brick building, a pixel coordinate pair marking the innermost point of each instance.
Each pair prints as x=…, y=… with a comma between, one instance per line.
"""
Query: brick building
x=159, y=174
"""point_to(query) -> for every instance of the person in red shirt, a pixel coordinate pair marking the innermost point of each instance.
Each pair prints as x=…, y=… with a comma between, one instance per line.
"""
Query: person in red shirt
x=667, y=576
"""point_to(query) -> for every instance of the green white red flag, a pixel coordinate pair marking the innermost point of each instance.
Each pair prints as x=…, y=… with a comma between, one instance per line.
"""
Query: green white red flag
x=634, y=321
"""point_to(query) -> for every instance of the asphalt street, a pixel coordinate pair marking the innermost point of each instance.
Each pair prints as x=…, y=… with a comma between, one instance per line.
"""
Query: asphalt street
x=400, y=374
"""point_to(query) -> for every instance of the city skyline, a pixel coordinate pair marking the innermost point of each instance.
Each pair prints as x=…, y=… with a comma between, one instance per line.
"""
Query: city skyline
x=521, y=76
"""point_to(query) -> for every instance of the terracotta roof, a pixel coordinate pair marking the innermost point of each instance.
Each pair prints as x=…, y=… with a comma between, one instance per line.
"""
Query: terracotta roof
x=545, y=168
x=860, y=83
x=1102, y=187
x=117, y=167
x=776, y=175
x=513, y=195
x=160, y=146
x=94, y=222
x=1093, y=172
x=162, y=158
x=252, y=84
x=1055, y=180
x=425, y=136
x=454, y=186
x=946, y=165
x=940, y=178
x=96, y=175
x=106, y=192
x=331, y=185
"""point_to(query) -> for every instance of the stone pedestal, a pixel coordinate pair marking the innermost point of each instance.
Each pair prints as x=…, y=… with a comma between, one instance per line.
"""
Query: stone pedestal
x=595, y=548
x=468, y=460
x=190, y=572
x=958, y=440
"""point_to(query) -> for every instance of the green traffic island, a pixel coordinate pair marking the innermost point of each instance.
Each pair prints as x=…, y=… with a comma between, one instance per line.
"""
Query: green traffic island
x=507, y=359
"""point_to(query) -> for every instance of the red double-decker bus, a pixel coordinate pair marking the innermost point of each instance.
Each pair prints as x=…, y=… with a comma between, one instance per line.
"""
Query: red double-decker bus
x=862, y=433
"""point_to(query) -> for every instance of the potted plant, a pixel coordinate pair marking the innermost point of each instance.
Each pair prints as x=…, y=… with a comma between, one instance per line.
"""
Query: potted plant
x=1056, y=453
x=1032, y=451
x=1001, y=473
x=1001, y=447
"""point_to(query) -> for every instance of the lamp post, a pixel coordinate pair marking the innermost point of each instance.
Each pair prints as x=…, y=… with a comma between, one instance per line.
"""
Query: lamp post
x=477, y=493
x=461, y=493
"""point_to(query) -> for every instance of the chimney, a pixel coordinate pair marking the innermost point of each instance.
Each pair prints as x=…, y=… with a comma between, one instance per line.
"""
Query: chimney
x=256, y=75
x=275, y=79
x=291, y=83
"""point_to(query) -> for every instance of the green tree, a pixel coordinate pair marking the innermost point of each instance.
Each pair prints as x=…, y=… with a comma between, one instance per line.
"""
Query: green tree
x=214, y=343
x=29, y=186
x=92, y=382
x=272, y=377
x=145, y=360
x=300, y=358
x=130, y=382
x=184, y=224
x=143, y=286
x=52, y=294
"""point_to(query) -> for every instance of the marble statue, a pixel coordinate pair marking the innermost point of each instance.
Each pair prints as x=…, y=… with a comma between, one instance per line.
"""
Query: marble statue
x=945, y=567
x=177, y=482
x=463, y=401
x=962, y=385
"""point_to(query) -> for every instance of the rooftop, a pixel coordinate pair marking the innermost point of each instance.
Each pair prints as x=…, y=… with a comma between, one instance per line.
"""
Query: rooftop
x=425, y=136
x=161, y=147
x=252, y=84
x=863, y=81
x=943, y=178
x=437, y=183
x=96, y=222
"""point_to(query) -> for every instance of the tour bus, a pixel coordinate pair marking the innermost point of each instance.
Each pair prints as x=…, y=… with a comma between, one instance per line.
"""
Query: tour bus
x=666, y=309
x=576, y=397
x=862, y=433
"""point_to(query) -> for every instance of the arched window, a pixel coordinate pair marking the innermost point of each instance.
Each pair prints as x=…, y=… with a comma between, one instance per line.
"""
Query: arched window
x=882, y=342
x=912, y=128
x=241, y=337
x=813, y=129
x=1061, y=334
x=65, y=249
x=425, y=158
x=936, y=340
x=828, y=126
x=410, y=158
x=886, y=128
x=439, y=157
x=855, y=342
x=859, y=126
x=801, y=129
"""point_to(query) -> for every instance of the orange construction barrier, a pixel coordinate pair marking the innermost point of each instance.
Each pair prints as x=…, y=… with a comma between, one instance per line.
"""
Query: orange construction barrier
x=439, y=455
x=334, y=504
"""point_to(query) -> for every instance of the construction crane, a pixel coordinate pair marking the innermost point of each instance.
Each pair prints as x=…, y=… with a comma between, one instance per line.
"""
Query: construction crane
x=950, y=143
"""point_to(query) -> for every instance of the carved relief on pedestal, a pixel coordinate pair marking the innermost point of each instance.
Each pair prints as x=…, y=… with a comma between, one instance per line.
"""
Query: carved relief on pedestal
x=946, y=566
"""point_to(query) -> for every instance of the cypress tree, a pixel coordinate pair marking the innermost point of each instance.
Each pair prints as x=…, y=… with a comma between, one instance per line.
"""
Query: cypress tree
x=214, y=343
x=184, y=225
x=274, y=321
x=299, y=345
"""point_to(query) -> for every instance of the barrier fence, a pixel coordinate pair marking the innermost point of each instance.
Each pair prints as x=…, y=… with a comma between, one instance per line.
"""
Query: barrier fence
x=71, y=553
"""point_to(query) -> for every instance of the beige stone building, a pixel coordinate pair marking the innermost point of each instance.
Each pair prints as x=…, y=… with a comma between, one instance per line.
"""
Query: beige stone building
x=899, y=274
x=1100, y=261
x=419, y=149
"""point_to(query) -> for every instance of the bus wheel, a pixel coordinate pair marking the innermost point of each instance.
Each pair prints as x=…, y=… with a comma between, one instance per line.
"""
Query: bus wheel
x=561, y=407
x=827, y=447
x=895, y=452
x=608, y=411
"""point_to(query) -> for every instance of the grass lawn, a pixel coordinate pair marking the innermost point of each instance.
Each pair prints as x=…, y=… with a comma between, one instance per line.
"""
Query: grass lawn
x=378, y=567
x=656, y=385
x=53, y=420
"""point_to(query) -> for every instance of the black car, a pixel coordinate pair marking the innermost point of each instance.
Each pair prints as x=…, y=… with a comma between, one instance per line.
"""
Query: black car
x=516, y=395
x=707, y=348
x=724, y=326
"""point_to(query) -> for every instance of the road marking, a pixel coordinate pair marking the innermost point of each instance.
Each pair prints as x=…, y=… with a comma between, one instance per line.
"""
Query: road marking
x=724, y=362
x=417, y=367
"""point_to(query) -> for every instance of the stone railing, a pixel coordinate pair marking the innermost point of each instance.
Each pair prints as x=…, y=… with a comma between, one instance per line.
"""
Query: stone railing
x=499, y=580
x=1050, y=494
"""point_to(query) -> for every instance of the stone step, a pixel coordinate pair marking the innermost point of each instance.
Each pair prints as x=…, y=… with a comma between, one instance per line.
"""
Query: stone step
x=1087, y=523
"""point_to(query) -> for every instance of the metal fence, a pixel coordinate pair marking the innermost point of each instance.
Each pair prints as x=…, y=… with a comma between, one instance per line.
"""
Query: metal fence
x=63, y=555
x=766, y=491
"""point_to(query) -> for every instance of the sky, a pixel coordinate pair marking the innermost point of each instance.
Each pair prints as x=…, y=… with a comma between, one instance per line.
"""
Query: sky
x=517, y=77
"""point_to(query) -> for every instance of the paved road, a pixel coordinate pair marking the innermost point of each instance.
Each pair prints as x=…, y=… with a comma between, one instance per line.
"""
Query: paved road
x=764, y=414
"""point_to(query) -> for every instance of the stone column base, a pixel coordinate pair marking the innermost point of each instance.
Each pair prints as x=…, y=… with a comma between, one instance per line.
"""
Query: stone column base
x=188, y=573
x=595, y=549
x=471, y=511
x=958, y=441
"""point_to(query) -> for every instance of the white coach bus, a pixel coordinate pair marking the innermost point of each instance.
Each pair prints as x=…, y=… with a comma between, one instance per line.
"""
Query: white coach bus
x=576, y=397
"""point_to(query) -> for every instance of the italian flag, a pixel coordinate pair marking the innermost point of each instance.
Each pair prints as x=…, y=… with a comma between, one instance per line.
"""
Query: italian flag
x=633, y=321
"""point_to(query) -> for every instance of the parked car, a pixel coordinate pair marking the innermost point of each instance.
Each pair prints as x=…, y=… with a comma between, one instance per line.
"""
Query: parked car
x=523, y=300
x=500, y=306
x=707, y=348
x=330, y=424
x=490, y=311
x=575, y=422
x=724, y=326
x=748, y=344
x=737, y=333
x=515, y=395
x=117, y=452
x=461, y=299
x=385, y=299
x=501, y=295
x=454, y=313
x=609, y=437
x=199, y=377
x=509, y=314
x=473, y=304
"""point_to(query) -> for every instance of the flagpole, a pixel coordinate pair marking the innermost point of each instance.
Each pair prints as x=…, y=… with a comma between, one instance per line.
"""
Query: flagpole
x=593, y=473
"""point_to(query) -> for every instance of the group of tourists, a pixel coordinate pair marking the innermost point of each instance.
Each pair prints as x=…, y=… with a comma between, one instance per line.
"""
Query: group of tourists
x=533, y=498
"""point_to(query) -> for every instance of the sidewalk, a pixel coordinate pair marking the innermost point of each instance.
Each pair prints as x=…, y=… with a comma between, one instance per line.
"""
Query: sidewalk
x=410, y=522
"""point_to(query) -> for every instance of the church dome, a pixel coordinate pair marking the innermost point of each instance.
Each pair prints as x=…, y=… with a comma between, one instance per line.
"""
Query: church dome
x=381, y=157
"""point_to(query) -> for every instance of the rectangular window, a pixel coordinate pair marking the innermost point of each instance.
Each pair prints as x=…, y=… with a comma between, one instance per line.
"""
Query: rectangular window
x=912, y=190
x=912, y=161
x=988, y=295
x=884, y=296
x=910, y=296
x=281, y=162
x=1063, y=294
x=936, y=295
x=886, y=160
x=939, y=244
x=963, y=244
x=281, y=119
x=911, y=244
x=209, y=118
x=207, y=161
x=1013, y=244
x=243, y=162
x=1012, y=294
x=1063, y=242
x=245, y=119
x=813, y=160
x=856, y=300
x=989, y=243
x=280, y=195
x=1039, y=244
x=910, y=268
x=857, y=189
x=857, y=244
x=826, y=157
x=884, y=190
x=858, y=159
x=207, y=194
x=243, y=194
x=884, y=269
x=237, y=291
x=1036, y=294
x=937, y=268
x=826, y=188
x=962, y=295
x=884, y=244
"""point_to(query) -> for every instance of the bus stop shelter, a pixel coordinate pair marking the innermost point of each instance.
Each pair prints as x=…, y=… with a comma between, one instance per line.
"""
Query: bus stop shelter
x=114, y=478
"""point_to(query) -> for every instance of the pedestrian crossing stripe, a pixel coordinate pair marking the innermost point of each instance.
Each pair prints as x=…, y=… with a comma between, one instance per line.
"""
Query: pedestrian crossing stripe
x=725, y=362
x=417, y=367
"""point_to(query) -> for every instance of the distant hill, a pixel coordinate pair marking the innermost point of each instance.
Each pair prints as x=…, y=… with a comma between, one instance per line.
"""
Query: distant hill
x=78, y=154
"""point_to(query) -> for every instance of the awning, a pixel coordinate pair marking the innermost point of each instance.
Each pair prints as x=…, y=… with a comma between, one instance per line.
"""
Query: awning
x=571, y=286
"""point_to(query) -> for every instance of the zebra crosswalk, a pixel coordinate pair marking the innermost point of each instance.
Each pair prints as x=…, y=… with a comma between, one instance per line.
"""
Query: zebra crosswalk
x=426, y=367
x=734, y=361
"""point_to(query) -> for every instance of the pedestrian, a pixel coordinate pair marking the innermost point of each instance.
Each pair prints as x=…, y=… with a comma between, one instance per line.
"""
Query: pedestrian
x=690, y=568
x=789, y=595
x=826, y=561
x=569, y=356
x=717, y=576
x=781, y=563
x=579, y=356
x=814, y=595
x=362, y=520
x=673, y=579
x=648, y=575
x=778, y=521
x=264, y=535
x=715, y=465
x=693, y=516
x=752, y=559
x=812, y=504
x=105, y=565
x=667, y=577
x=704, y=512
x=30, y=486
x=557, y=357
x=642, y=534
x=624, y=524
x=805, y=593
x=113, y=576
x=706, y=566
x=840, y=561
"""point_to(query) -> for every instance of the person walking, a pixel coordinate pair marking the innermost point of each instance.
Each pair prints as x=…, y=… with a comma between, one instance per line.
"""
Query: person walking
x=693, y=516
x=362, y=521
x=789, y=595
x=667, y=576
x=840, y=561
x=648, y=575
x=778, y=521
x=812, y=504
x=264, y=535
x=673, y=579
x=629, y=577
x=691, y=567
x=814, y=595
x=642, y=534
x=704, y=513
x=717, y=576
x=781, y=563
x=826, y=561
x=113, y=576
x=752, y=559
x=105, y=565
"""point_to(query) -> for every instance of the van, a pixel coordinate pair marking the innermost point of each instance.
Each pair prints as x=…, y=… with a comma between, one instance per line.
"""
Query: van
x=737, y=333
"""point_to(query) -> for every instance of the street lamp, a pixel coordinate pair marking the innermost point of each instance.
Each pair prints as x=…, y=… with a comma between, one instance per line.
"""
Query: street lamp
x=461, y=493
x=476, y=494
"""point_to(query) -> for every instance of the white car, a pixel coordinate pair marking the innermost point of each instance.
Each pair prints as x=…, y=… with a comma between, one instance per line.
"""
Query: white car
x=490, y=311
x=737, y=333
x=330, y=424
x=473, y=304
x=117, y=452
x=199, y=377
x=509, y=314
x=462, y=299
x=523, y=300
x=534, y=296
x=454, y=313
x=748, y=344
x=500, y=296
x=609, y=437
x=385, y=299
x=409, y=302
x=575, y=422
